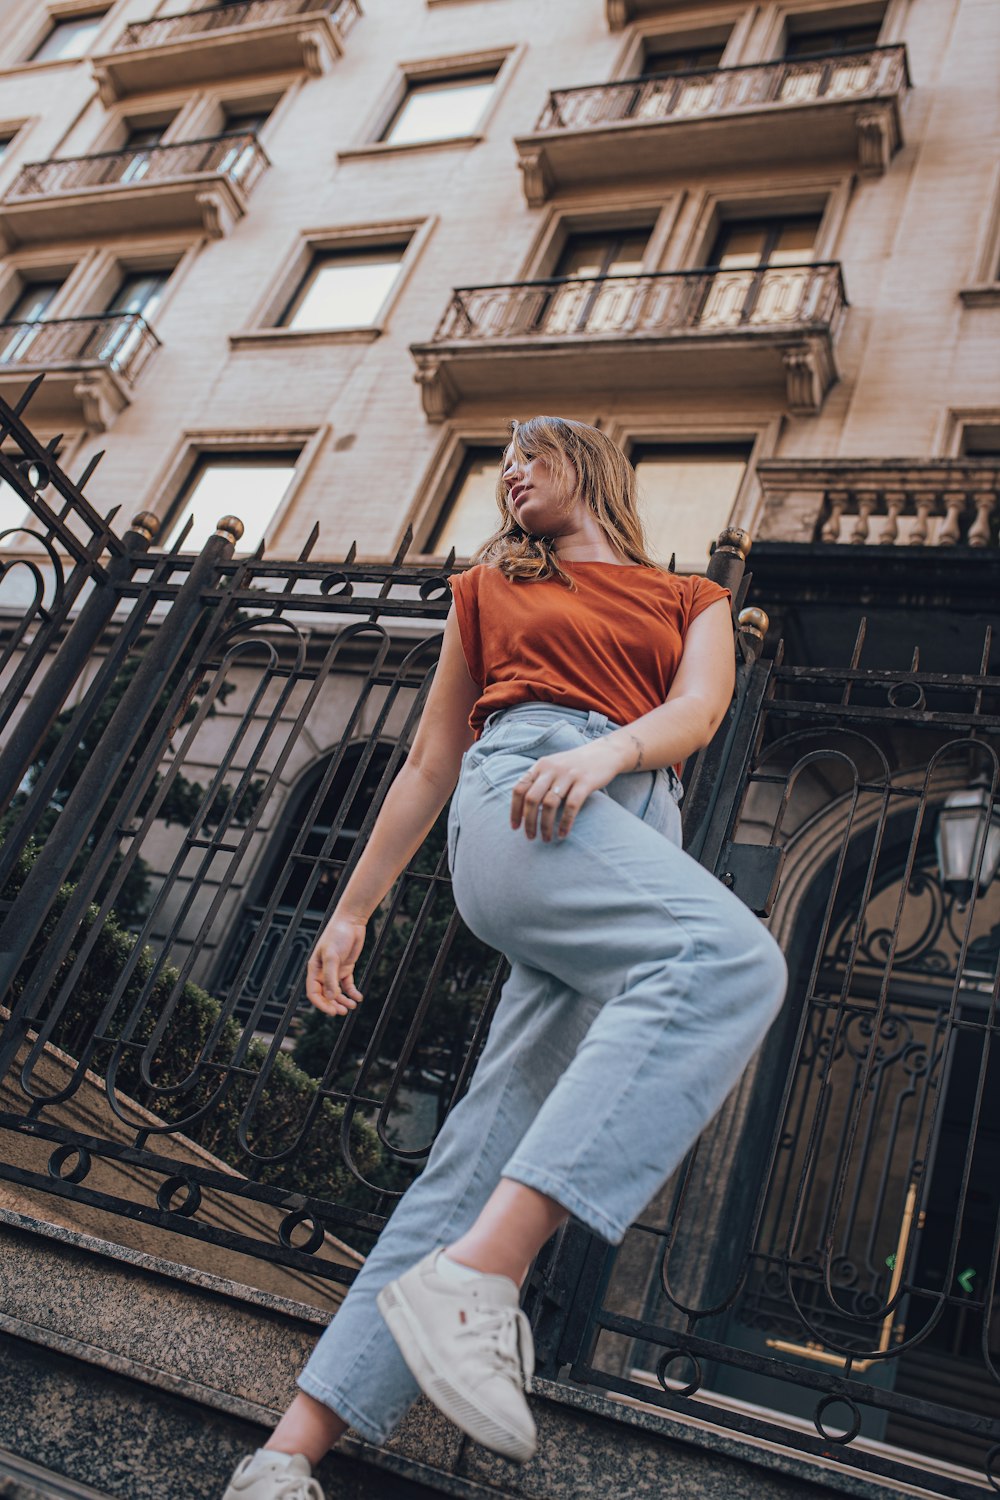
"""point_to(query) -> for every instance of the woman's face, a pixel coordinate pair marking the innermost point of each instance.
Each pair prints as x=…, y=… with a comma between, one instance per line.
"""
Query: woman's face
x=540, y=493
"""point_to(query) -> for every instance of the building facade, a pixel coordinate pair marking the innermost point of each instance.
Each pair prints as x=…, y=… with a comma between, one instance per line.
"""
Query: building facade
x=302, y=261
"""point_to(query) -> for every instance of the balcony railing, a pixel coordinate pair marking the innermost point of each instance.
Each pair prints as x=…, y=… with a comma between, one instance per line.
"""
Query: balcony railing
x=121, y=342
x=238, y=156
x=850, y=75
x=882, y=502
x=655, y=304
x=164, y=29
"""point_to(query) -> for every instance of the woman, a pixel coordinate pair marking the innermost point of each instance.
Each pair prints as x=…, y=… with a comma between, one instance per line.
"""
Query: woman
x=575, y=675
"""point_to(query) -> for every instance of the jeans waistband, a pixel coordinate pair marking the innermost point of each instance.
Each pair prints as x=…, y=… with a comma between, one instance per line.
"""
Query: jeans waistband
x=587, y=718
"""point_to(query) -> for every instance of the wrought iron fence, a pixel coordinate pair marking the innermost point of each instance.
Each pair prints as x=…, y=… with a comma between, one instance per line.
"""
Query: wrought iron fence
x=873, y=73
x=238, y=156
x=162, y=29
x=829, y=1250
x=121, y=341
x=823, y=1271
x=655, y=304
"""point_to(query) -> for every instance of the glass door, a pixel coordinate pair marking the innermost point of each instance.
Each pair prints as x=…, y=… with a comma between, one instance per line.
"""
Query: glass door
x=16, y=334
x=596, y=300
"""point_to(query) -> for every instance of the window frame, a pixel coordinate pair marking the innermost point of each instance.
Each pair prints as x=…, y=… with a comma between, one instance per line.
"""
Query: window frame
x=313, y=270
x=166, y=496
x=46, y=22
x=828, y=196
x=434, y=491
x=264, y=328
x=983, y=289
x=370, y=141
x=732, y=24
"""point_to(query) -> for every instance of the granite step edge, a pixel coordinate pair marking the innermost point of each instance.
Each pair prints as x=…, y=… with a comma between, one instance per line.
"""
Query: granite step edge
x=20, y=1479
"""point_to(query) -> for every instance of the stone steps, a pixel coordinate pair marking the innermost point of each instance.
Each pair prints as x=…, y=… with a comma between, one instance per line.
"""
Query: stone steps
x=143, y=1379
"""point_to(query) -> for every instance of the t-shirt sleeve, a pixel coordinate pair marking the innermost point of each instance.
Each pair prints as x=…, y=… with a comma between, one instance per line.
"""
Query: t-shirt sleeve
x=701, y=593
x=465, y=592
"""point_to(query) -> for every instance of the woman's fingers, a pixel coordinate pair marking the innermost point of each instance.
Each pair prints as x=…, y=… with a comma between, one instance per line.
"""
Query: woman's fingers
x=545, y=793
x=330, y=983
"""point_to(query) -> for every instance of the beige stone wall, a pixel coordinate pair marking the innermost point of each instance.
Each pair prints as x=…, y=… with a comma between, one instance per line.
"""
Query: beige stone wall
x=910, y=353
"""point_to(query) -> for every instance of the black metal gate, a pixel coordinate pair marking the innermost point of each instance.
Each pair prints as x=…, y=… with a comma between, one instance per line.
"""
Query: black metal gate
x=195, y=747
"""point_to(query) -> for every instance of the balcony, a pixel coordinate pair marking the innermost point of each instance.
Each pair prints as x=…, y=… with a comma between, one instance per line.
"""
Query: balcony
x=806, y=109
x=882, y=502
x=201, y=184
x=767, y=329
x=90, y=365
x=239, y=39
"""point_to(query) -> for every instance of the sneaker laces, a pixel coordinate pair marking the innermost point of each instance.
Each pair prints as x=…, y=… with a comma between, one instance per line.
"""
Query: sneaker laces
x=507, y=1334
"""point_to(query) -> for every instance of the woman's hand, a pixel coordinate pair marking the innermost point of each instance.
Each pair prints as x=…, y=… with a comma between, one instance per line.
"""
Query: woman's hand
x=330, y=975
x=558, y=785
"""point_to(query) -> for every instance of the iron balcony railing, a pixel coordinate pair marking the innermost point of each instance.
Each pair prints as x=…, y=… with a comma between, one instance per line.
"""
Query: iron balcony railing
x=716, y=91
x=122, y=342
x=659, y=303
x=238, y=156
x=192, y=23
x=892, y=502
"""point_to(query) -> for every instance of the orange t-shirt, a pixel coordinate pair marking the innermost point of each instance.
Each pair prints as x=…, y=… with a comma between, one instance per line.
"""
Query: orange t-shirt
x=614, y=645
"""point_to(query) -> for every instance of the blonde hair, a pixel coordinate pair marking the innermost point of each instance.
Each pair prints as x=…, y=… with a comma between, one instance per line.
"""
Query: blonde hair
x=604, y=481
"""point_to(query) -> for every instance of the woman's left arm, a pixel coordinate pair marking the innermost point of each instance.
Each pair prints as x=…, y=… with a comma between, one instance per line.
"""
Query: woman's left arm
x=551, y=793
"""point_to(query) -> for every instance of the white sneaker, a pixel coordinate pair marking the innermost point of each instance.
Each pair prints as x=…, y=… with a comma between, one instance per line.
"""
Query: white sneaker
x=256, y=1479
x=469, y=1348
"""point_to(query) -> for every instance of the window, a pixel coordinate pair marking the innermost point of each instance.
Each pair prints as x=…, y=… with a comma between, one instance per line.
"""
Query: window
x=70, y=37
x=5, y=143
x=30, y=307
x=686, y=496
x=831, y=40
x=138, y=140
x=440, y=109
x=344, y=288
x=118, y=337
x=661, y=61
x=751, y=286
x=592, y=304
x=470, y=513
x=980, y=440
x=248, y=485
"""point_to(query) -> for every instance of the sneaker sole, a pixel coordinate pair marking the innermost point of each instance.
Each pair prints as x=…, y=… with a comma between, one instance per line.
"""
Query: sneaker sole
x=455, y=1404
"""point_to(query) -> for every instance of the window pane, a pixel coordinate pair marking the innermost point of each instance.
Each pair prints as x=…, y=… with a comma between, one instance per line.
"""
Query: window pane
x=251, y=488
x=603, y=254
x=660, y=64
x=686, y=497
x=438, y=111
x=70, y=38
x=841, y=39
x=794, y=242
x=344, y=291
x=740, y=246
x=471, y=514
x=140, y=292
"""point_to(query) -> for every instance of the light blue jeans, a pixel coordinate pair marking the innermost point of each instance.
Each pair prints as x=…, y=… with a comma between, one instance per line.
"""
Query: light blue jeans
x=639, y=990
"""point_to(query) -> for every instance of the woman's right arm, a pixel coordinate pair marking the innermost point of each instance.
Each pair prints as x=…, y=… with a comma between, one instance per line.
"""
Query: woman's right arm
x=408, y=813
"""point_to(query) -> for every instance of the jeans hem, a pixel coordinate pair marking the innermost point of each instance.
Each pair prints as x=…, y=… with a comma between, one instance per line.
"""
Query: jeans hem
x=592, y=1218
x=342, y=1408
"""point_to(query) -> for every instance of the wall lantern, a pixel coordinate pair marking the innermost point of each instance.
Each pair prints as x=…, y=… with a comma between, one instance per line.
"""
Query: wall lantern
x=968, y=821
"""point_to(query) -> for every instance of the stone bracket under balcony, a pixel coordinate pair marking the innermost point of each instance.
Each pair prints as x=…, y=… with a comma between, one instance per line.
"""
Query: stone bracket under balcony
x=241, y=39
x=89, y=365
x=202, y=185
x=796, y=110
x=770, y=330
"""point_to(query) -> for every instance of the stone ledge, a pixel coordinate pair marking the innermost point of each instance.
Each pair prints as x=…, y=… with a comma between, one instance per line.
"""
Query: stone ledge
x=164, y=1357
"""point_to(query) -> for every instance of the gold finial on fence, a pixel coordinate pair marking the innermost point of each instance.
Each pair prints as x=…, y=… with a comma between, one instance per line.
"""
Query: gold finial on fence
x=231, y=527
x=146, y=524
x=732, y=539
x=754, y=622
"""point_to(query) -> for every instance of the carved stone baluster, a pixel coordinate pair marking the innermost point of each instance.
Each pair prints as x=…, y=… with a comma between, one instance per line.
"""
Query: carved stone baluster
x=981, y=529
x=950, y=530
x=865, y=505
x=895, y=500
x=836, y=500
x=924, y=507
